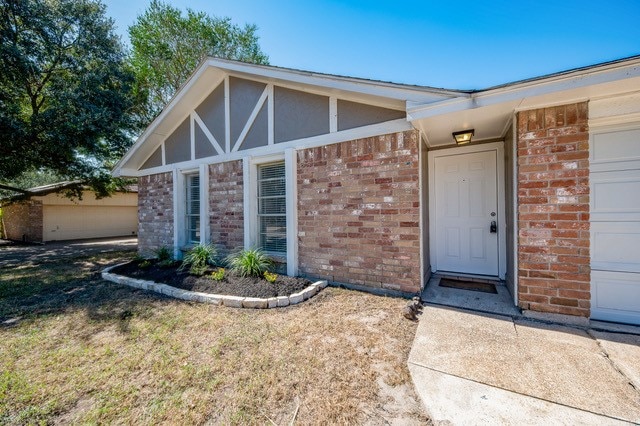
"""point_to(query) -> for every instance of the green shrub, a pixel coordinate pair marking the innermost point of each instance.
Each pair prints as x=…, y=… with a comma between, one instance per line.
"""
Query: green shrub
x=270, y=276
x=198, y=258
x=250, y=262
x=163, y=253
x=164, y=257
x=145, y=264
x=218, y=274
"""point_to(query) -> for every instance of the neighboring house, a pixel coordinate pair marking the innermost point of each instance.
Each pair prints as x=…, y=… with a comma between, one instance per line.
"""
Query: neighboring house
x=361, y=182
x=51, y=216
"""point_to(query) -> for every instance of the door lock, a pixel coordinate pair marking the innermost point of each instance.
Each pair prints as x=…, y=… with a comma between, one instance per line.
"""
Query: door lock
x=494, y=227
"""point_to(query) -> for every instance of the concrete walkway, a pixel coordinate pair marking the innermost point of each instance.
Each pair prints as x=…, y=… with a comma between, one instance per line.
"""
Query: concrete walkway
x=477, y=368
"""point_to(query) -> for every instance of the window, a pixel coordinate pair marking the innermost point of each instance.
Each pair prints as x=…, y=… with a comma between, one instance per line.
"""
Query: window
x=193, y=208
x=272, y=209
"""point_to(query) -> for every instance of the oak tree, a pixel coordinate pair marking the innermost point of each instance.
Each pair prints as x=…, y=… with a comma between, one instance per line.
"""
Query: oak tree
x=167, y=46
x=66, y=90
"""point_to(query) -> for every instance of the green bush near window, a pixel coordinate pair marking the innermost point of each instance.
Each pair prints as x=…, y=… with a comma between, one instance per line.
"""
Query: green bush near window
x=164, y=257
x=250, y=262
x=199, y=258
x=163, y=253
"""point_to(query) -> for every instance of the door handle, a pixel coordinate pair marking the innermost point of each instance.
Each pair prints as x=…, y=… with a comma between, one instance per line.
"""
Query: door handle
x=494, y=227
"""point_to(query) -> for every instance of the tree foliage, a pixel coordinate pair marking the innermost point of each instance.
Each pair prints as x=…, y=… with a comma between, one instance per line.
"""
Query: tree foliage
x=65, y=90
x=167, y=46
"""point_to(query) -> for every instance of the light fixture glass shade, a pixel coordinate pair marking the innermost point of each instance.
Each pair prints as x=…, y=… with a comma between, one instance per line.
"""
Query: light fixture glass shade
x=463, y=136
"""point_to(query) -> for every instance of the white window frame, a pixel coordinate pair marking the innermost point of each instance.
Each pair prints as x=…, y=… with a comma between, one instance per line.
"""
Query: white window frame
x=189, y=214
x=180, y=237
x=260, y=237
x=250, y=172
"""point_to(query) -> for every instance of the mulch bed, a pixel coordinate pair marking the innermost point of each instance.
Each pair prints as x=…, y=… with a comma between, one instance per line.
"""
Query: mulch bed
x=232, y=284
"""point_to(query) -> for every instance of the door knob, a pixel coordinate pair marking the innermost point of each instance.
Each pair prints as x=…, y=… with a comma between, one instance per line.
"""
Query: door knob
x=494, y=227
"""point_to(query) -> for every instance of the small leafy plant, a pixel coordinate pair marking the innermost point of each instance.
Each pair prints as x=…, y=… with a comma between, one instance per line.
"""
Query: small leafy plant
x=270, y=276
x=145, y=264
x=218, y=274
x=198, y=259
x=250, y=262
x=164, y=257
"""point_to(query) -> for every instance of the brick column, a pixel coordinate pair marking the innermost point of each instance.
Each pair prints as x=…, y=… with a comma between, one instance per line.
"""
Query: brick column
x=226, y=205
x=155, y=212
x=553, y=210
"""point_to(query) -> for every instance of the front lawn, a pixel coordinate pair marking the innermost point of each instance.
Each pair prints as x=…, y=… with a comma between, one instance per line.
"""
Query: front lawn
x=77, y=349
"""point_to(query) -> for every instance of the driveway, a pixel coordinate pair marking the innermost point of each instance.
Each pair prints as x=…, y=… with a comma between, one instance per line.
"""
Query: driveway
x=14, y=254
x=471, y=367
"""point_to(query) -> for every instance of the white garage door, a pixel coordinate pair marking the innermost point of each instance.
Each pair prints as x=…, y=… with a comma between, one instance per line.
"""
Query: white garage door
x=77, y=222
x=615, y=224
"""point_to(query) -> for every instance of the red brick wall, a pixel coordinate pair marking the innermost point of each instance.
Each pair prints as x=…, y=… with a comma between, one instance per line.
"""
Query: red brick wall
x=226, y=196
x=155, y=212
x=359, y=212
x=553, y=210
x=23, y=220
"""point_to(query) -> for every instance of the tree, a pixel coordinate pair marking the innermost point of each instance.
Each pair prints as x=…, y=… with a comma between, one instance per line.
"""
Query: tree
x=167, y=46
x=66, y=92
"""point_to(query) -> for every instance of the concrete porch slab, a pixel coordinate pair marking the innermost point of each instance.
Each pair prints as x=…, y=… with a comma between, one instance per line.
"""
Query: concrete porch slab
x=558, y=372
x=501, y=303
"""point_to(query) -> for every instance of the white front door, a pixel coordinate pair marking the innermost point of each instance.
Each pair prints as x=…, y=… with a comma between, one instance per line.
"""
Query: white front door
x=466, y=204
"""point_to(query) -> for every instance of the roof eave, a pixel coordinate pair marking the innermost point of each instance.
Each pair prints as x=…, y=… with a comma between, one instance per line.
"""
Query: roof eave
x=582, y=77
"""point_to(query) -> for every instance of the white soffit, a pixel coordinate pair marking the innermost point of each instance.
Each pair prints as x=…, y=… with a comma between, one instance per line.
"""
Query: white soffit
x=488, y=122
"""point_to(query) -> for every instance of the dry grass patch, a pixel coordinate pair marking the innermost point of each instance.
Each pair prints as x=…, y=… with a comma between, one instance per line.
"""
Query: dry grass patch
x=77, y=349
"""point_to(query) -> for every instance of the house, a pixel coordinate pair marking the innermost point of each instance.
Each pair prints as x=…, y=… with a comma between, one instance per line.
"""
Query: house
x=361, y=182
x=48, y=215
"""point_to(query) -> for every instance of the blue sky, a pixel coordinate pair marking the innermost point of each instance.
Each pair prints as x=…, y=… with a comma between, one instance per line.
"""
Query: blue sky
x=451, y=44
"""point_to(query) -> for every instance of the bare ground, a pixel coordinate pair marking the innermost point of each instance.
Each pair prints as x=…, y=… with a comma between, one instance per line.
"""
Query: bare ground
x=76, y=349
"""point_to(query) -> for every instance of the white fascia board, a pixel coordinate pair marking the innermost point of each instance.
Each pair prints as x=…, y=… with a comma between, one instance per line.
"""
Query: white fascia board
x=374, y=88
x=123, y=172
x=520, y=91
x=460, y=103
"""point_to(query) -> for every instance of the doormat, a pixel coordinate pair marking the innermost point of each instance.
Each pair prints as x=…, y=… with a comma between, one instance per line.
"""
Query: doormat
x=469, y=285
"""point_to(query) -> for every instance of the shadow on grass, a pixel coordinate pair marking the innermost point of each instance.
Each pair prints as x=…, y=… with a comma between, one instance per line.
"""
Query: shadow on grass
x=20, y=254
x=71, y=284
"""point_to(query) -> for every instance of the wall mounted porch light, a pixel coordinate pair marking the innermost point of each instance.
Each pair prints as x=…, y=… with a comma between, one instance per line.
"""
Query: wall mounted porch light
x=464, y=136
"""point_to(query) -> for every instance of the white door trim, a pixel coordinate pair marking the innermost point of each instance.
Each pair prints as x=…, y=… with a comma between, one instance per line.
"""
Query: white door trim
x=498, y=148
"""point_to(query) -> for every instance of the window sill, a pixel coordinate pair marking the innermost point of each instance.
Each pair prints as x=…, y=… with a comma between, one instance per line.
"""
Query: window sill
x=277, y=257
x=185, y=248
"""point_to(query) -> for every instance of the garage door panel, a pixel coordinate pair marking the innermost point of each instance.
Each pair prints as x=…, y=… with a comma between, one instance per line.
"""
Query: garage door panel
x=611, y=246
x=615, y=296
x=77, y=222
x=616, y=199
x=622, y=145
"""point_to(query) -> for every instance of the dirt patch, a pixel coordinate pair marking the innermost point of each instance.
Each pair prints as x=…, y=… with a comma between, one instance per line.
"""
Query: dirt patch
x=232, y=284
